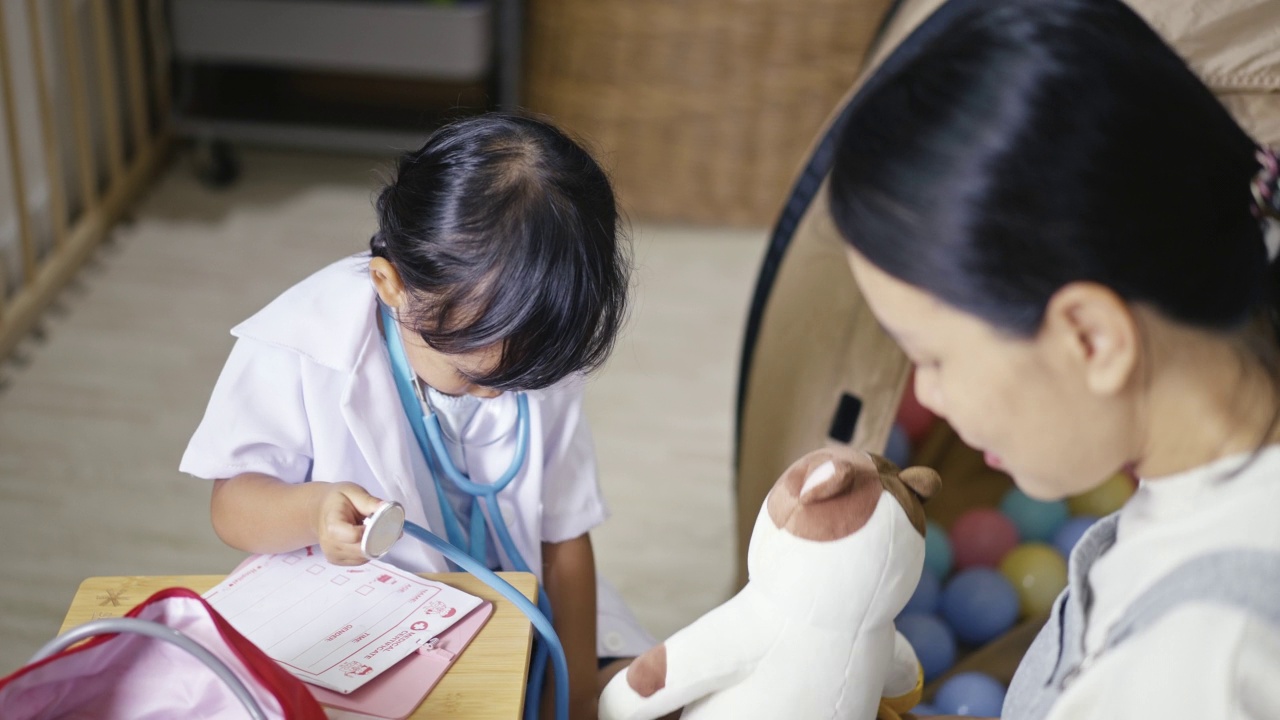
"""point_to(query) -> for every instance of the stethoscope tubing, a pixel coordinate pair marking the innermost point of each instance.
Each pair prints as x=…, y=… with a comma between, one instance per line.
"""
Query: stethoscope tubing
x=430, y=440
x=541, y=622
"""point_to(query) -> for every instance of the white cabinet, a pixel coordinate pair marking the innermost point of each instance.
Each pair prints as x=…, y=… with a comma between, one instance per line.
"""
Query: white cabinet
x=416, y=39
x=460, y=41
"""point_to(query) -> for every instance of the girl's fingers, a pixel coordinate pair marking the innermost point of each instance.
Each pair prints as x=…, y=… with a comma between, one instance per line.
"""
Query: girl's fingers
x=361, y=500
x=345, y=557
x=342, y=527
x=340, y=549
x=345, y=533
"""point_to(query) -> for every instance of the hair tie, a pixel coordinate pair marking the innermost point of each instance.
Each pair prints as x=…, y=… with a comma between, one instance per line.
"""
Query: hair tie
x=1266, y=199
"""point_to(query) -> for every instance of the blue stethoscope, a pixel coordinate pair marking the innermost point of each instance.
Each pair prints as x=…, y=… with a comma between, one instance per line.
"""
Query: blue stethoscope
x=381, y=526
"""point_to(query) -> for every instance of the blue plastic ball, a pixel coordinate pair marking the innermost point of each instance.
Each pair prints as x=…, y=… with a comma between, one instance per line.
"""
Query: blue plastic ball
x=979, y=604
x=932, y=640
x=898, y=450
x=1036, y=520
x=924, y=710
x=925, y=598
x=970, y=693
x=937, y=549
x=1071, y=532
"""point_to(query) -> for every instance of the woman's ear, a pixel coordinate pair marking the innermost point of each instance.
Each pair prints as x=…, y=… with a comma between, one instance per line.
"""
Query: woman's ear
x=1098, y=332
x=388, y=283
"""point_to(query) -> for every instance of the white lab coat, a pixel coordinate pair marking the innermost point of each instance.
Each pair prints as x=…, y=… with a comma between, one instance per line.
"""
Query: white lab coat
x=307, y=394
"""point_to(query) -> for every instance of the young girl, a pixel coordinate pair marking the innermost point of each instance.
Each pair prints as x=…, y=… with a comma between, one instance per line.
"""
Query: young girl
x=1074, y=242
x=499, y=269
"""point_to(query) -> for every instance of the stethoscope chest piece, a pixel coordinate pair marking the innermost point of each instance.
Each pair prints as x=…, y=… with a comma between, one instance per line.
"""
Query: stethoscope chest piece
x=382, y=529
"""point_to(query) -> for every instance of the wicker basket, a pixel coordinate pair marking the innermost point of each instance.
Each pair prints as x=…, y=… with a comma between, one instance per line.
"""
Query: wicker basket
x=702, y=111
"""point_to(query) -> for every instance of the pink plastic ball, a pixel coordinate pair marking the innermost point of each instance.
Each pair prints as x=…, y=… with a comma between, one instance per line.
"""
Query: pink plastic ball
x=982, y=537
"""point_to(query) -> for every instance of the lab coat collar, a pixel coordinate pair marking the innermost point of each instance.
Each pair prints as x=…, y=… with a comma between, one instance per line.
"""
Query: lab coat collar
x=331, y=319
x=327, y=318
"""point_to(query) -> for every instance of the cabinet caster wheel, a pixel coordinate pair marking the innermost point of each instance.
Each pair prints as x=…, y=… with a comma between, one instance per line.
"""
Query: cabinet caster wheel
x=216, y=164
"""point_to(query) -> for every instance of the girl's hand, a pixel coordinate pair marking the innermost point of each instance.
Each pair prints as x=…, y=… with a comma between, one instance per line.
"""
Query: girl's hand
x=339, y=522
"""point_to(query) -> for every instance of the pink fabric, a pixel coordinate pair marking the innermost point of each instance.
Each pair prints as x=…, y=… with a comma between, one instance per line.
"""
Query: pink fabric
x=127, y=676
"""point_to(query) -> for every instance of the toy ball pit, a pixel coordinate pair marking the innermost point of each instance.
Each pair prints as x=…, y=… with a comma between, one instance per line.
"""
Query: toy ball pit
x=979, y=604
x=1036, y=520
x=981, y=538
x=970, y=693
x=1038, y=573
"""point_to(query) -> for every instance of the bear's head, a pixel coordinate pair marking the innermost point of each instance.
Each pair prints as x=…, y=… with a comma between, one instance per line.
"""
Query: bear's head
x=841, y=534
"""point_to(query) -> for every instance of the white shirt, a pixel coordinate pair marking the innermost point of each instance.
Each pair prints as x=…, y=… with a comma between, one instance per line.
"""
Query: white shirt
x=307, y=394
x=1200, y=661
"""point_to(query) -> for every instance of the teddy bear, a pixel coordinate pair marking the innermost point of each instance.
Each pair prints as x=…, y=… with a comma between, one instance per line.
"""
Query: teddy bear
x=835, y=554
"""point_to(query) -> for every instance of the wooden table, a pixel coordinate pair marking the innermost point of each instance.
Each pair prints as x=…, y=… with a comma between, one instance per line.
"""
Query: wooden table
x=487, y=681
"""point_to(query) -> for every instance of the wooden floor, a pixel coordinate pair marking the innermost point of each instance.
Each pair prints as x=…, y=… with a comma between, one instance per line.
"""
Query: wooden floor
x=94, y=417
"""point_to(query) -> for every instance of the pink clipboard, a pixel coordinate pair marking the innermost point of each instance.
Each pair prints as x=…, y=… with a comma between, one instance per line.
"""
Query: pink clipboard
x=397, y=692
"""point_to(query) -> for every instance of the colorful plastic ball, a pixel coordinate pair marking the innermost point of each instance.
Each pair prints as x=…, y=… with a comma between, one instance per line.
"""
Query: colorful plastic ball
x=979, y=604
x=924, y=710
x=1070, y=533
x=1104, y=499
x=1038, y=574
x=1036, y=520
x=981, y=538
x=970, y=693
x=937, y=549
x=933, y=641
x=914, y=418
x=925, y=597
x=898, y=449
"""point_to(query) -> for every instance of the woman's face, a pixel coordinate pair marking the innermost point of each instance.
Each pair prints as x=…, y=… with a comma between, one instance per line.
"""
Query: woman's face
x=1022, y=402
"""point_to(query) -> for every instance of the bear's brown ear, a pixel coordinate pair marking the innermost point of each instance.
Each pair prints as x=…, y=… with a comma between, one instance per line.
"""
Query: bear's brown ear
x=924, y=481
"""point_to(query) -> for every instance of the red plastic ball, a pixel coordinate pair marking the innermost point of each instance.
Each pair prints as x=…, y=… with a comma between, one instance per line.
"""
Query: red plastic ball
x=914, y=418
x=982, y=537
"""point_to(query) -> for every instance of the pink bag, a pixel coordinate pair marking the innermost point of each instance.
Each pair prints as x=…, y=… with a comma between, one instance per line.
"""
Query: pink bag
x=203, y=669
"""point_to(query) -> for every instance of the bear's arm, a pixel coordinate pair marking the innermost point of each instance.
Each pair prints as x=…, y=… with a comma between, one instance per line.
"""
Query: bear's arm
x=716, y=651
x=904, y=683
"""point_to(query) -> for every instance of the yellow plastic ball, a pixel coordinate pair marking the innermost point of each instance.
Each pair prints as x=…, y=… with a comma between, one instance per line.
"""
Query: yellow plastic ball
x=1038, y=573
x=1104, y=499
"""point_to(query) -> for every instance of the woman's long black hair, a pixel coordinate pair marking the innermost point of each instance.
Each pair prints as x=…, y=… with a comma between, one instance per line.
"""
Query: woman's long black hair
x=1035, y=143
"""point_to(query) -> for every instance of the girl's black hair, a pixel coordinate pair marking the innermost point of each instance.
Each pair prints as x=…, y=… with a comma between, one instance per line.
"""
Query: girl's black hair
x=505, y=231
x=1034, y=143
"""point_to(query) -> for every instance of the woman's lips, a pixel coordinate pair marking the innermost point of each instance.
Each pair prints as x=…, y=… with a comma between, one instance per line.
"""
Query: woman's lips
x=993, y=461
